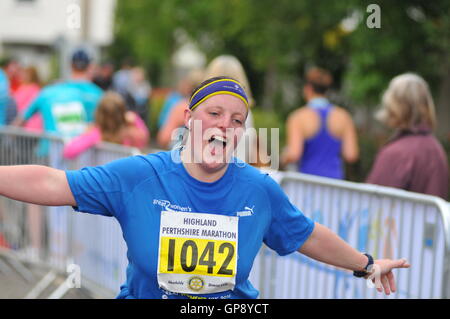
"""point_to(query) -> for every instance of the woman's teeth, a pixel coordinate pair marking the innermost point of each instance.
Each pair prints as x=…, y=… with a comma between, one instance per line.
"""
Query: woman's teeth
x=218, y=139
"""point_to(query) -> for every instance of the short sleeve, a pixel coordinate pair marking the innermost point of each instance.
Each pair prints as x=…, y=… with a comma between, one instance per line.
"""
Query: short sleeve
x=289, y=227
x=32, y=108
x=103, y=189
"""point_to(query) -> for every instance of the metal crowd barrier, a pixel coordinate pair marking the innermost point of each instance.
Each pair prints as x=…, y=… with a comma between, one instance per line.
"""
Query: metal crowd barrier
x=386, y=222
x=383, y=221
x=56, y=237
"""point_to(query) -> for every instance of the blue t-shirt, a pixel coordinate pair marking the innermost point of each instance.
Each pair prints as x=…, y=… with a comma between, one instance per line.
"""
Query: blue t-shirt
x=66, y=107
x=170, y=102
x=136, y=190
x=4, y=96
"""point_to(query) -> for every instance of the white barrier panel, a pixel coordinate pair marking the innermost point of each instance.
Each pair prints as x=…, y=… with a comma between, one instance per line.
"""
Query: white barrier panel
x=99, y=250
x=385, y=222
x=96, y=242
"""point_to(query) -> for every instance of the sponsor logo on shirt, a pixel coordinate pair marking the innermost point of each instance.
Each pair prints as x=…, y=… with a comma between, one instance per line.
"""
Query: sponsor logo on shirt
x=171, y=207
x=246, y=212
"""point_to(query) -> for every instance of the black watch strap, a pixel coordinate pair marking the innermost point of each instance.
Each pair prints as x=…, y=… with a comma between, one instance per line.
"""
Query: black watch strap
x=366, y=270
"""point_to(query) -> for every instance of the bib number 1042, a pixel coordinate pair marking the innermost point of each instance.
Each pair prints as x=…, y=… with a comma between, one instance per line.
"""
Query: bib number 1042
x=199, y=256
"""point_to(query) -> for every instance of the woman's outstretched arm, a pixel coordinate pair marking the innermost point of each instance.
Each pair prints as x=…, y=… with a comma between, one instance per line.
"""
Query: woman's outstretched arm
x=325, y=246
x=36, y=184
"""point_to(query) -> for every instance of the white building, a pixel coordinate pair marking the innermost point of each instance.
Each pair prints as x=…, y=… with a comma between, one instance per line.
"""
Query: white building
x=37, y=32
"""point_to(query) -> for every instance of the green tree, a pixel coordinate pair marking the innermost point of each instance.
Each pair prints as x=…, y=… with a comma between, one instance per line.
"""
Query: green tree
x=276, y=41
x=414, y=37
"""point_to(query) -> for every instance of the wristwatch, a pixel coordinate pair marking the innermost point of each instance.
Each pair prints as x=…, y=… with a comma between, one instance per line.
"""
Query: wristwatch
x=367, y=269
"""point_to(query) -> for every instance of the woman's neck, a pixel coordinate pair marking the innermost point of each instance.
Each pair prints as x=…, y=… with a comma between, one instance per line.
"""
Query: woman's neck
x=197, y=171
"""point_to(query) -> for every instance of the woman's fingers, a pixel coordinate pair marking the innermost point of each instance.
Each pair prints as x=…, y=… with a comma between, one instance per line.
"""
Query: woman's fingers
x=390, y=277
x=383, y=277
x=401, y=263
x=378, y=285
x=385, y=283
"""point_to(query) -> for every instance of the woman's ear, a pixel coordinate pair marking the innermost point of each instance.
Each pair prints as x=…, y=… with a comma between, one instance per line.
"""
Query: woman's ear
x=188, y=117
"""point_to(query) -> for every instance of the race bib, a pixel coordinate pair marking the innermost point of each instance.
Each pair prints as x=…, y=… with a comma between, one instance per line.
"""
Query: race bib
x=70, y=118
x=197, y=252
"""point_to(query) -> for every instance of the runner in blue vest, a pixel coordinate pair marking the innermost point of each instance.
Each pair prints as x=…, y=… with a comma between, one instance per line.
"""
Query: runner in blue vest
x=320, y=136
x=194, y=218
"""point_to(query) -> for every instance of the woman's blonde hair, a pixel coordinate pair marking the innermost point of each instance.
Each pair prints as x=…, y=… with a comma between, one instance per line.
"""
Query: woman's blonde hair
x=110, y=117
x=407, y=103
x=229, y=66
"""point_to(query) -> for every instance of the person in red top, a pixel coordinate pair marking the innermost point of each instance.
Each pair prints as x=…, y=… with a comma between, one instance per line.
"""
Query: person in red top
x=12, y=69
x=26, y=92
x=412, y=159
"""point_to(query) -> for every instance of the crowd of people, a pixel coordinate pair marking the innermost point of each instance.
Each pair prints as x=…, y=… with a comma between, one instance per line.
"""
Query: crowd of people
x=94, y=105
x=321, y=136
x=99, y=103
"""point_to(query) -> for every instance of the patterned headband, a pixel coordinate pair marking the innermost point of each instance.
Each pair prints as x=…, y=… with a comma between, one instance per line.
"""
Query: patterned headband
x=221, y=86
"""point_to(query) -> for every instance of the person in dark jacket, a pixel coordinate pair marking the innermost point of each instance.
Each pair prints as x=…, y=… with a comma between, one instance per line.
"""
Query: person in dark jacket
x=412, y=159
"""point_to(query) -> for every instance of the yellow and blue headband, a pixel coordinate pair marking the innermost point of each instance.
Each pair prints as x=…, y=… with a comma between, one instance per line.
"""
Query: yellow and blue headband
x=221, y=86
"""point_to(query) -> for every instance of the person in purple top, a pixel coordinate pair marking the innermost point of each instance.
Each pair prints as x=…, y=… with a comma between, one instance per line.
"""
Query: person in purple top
x=412, y=159
x=320, y=136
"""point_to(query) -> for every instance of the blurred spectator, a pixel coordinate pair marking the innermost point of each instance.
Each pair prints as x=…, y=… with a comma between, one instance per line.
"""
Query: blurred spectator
x=4, y=95
x=26, y=92
x=12, y=69
x=413, y=159
x=320, y=135
x=121, y=78
x=121, y=82
x=114, y=124
x=175, y=119
x=8, y=109
x=67, y=107
x=184, y=89
x=140, y=89
x=228, y=65
x=104, y=75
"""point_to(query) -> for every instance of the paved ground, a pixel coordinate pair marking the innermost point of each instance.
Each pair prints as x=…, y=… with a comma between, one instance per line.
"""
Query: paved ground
x=14, y=286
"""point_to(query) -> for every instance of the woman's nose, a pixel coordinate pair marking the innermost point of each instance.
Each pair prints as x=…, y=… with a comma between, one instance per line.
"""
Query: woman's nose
x=224, y=122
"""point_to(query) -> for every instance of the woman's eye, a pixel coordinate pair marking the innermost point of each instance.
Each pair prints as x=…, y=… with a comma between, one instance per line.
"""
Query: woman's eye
x=238, y=122
x=214, y=113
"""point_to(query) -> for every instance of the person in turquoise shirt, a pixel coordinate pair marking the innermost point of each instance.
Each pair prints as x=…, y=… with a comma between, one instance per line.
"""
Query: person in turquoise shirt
x=68, y=107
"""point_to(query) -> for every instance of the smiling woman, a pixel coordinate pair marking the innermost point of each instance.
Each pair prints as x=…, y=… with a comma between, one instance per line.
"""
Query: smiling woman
x=218, y=108
x=207, y=249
